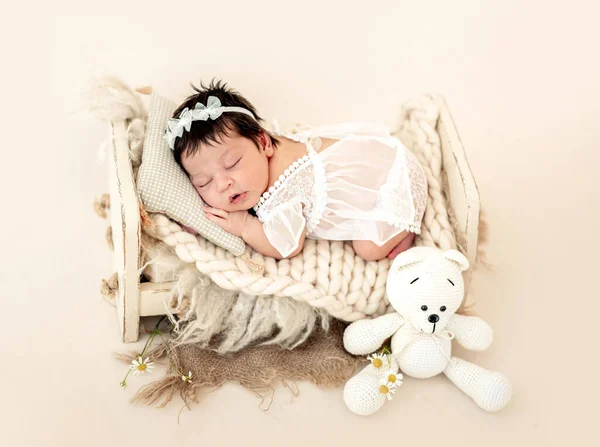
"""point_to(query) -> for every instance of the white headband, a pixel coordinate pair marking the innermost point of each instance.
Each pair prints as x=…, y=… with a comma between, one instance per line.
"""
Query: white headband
x=213, y=110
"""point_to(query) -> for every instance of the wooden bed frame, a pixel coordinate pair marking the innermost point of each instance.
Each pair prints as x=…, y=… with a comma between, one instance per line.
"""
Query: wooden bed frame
x=136, y=299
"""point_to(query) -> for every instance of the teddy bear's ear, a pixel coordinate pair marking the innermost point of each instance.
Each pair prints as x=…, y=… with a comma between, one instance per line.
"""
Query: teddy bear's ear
x=408, y=257
x=458, y=257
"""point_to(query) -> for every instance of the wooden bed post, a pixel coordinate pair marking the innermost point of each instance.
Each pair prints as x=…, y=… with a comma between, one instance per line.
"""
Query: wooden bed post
x=125, y=222
x=462, y=194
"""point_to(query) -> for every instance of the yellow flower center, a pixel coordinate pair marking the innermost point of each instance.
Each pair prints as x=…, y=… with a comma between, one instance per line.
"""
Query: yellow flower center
x=377, y=363
x=142, y=367
x=384, y=389
x=392, y=378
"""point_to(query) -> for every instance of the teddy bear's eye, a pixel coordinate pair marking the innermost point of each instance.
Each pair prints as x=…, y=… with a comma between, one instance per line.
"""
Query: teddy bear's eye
x=451, y=282
x=443, y=308
x=423, y=308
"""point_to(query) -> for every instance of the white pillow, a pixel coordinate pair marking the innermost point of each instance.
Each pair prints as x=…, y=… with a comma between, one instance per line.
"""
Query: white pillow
x=165, y=188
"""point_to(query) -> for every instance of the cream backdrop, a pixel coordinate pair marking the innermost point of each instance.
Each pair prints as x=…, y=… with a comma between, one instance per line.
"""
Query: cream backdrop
x=521, y=80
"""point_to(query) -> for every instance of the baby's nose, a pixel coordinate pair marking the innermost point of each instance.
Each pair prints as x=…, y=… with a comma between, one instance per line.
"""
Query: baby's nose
x=223, y=184
x=433, y=318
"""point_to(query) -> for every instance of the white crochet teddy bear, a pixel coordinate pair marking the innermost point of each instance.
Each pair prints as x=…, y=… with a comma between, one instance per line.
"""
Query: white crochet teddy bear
x=426, y=288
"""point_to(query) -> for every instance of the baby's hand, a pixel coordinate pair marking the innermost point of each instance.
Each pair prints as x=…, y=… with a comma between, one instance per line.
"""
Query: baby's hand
x=232, y=221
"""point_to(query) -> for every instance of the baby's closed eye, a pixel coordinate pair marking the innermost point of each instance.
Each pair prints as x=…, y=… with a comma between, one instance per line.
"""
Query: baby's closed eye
x=202, y=184
x=231, y=166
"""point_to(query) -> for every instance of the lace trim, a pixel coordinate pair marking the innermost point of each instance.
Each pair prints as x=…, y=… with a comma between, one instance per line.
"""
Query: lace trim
x=406, y=227
x=288, y=173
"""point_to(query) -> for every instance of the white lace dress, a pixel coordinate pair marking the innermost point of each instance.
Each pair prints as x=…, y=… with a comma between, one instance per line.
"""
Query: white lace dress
x=365, y=186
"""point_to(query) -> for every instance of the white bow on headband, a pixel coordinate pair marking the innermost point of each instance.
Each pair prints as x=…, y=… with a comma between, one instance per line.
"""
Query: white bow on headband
x=200, y=112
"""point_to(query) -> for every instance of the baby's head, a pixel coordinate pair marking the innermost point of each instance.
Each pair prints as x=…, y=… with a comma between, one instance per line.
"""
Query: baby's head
x=226, y=158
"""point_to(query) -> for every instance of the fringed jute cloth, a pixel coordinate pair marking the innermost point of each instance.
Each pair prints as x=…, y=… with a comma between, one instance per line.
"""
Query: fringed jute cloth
x=194, y=372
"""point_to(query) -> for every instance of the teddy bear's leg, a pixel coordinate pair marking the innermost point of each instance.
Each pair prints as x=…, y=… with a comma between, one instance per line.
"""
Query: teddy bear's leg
x=362, y=393
x=490, y=390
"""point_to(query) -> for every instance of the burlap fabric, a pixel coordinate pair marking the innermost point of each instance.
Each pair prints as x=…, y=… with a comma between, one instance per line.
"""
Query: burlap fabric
x=320, y=360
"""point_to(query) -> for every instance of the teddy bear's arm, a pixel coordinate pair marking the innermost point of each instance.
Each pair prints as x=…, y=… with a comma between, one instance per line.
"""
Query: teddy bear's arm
x=366, y=336
x=471, y=332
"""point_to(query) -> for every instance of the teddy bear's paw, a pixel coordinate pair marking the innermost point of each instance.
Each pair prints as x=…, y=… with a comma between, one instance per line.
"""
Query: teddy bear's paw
x=494, y=392
x=362, y=394
x=489, y=389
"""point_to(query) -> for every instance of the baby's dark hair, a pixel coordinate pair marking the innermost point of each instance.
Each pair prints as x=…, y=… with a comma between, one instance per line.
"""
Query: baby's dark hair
x=213, y=131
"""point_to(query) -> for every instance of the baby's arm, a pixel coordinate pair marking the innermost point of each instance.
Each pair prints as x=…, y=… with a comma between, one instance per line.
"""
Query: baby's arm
x=281, y=236
x=254, y=235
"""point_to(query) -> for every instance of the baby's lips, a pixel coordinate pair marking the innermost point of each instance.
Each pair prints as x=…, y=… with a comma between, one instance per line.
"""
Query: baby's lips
x=234, y=197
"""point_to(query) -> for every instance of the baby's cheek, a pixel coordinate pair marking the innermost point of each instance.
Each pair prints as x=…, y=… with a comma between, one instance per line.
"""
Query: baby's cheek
x=204, y=197
x=211, y=200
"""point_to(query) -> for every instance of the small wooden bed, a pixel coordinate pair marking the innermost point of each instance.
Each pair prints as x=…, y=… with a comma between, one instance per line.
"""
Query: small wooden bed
x=136, y=299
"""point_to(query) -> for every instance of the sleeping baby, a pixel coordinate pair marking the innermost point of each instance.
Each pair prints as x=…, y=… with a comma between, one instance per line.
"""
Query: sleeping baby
x=344, y=182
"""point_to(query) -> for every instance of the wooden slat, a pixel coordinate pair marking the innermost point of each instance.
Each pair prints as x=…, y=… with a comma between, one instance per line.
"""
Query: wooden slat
x=463, y=193
x=154, y=297
x=125, y=222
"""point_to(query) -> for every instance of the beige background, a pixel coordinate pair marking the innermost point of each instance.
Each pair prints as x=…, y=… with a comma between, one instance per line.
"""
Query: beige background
x=521, y=79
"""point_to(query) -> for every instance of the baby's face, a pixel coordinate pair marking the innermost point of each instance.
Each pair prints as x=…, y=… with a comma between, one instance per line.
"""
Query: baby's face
x=230, y=175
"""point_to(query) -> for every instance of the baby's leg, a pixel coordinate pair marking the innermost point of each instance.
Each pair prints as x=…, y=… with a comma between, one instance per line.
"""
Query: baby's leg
x=404, y=245
x=370, y=251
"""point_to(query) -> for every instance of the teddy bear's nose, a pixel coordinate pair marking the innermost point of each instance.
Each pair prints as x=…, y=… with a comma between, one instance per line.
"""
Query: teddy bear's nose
x=433, y=318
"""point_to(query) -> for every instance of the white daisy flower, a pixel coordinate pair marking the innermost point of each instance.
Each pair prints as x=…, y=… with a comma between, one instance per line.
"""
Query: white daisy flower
x=387, y=388
x=395, y=378
x=187, y=378
x=140, y=366
x=377, y=359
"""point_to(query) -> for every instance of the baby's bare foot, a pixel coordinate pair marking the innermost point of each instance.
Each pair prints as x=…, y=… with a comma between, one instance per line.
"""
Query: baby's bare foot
x=403, y=245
